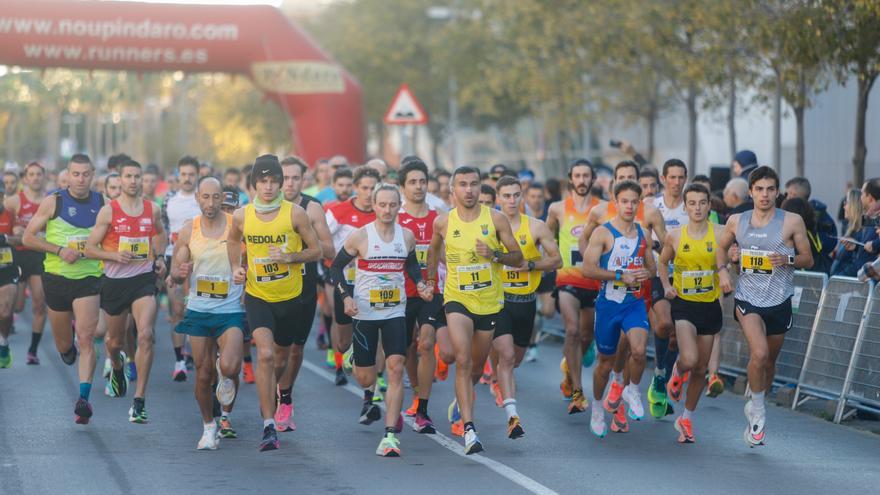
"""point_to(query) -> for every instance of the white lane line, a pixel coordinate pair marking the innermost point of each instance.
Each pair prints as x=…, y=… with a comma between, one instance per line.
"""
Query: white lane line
x=450, y=444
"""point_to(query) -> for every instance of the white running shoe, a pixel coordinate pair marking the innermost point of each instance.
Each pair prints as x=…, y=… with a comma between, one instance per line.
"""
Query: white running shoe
x=210, y=438
x=225, y=387
x=107, y=368
x=180, y=372
x=531, y=354
x=633, y=399
x=754, y=434
x=472, y=443
x=597, y=422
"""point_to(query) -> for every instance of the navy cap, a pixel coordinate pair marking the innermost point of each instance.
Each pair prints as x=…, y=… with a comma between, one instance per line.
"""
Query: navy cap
x=746, y=158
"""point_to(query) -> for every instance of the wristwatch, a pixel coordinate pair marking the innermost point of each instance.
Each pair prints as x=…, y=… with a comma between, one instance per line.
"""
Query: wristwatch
x=618, y=275
x=791, y=260
x=496, y=256
x=531, y=266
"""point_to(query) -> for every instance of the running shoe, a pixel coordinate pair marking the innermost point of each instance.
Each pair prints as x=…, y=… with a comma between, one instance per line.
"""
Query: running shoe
x=225, y=427
x=389, y=446
x=633, y=399
x=180, y=372
x=754, y=434
x=472, y=443
x=565, y=386
x=597, y=422
x=589, y=356
x=531, y=354
x=348, y=360
x=225, y=387
x=330, y=360
x=612, y=400
x=452, y=413
x=657, y=397
x=442, y=370
x=138, y=412
x=423, y=424
x=675, y=385
x=248, y=371
x=514, y=428
x=116, y=386
x=378, y=396
x=457, y=428
x=82, y=411
x=369, y=414
x=270, y=439
x=496, y=392
x=341, y=380
x=413, y=408
x=108, y=367
x=383, y=385
x=284, y=417
x=716, y=386
x=188, y=361
x=578, y=403
x=685, y=430
x=132, y=371
x=210, y=438
x=5, y=357
x=618, y=420
x=32, y=358
x=487, y=373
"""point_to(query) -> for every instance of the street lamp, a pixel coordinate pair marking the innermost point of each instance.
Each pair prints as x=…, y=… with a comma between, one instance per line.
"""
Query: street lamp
x=447, y=14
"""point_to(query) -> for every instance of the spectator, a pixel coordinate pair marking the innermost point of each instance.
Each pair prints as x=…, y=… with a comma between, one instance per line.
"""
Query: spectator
x=821, y=261
x=844, y=255
x=841, y=212
x=736, y=196
x=799, y=187
x=870, y=198
x=743, y=163
x=627, y=148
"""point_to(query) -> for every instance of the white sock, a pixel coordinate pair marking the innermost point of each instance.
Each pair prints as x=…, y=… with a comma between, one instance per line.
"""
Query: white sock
x=269, y=422
x=687, y=414
x=210, y=426
x=617, y=377
x=758, y=401
x=510, y=408
x=226, y=414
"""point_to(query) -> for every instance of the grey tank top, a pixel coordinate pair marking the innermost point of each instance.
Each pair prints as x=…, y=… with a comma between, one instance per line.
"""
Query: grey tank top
x=761, y=284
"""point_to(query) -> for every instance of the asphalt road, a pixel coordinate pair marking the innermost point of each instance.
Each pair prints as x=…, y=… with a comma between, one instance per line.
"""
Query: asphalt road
x=43, y=451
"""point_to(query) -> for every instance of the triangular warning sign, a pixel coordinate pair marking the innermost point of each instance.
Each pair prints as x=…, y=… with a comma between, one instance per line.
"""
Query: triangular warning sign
x=405, y=109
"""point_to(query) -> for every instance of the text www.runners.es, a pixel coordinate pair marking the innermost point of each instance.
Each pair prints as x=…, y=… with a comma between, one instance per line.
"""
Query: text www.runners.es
x=115, y=54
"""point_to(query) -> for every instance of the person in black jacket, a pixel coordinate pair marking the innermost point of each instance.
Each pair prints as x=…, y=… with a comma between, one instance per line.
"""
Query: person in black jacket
x=821, y=262
x=799, y=187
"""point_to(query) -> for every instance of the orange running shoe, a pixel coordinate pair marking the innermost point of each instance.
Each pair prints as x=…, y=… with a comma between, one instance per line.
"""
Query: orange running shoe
x=685, y=430
x=458, y=428
x=618, y=420
x=496, y=391
x=414, y=407
x=442, y=370
x=716, y=386
x=514, y=428
x=612, y=400
x=565, y=386
x=248, y=372
x=578, y=403
x=675, y=384
x=487, y=373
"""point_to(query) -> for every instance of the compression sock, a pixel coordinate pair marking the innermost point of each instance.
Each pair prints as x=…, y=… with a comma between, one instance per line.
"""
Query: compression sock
x=178, y=353
x=35, y=342
x=661, y=346
x=286, y=395
x=328, y=321
x=337, y=357
x=368, y=396
x=422, y=408
x=84, y=390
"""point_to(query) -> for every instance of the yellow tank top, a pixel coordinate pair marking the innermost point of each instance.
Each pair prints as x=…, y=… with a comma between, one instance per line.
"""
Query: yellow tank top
x=472, y=280
x=522, y=283
x=695, y=276
x=266, y=279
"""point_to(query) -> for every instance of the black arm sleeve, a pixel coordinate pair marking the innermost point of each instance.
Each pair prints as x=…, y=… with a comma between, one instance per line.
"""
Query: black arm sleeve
x=337, y=272
x=413, y=269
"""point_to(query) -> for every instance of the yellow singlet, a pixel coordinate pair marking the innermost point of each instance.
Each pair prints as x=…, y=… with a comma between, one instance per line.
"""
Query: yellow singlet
x=523, y=283
x=695, y=276
x=266, y=279
x=471, y=279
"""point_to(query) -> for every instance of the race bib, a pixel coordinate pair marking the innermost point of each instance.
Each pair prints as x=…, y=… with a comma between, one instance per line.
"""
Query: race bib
x=268, y=270
x=621, y=288
x=139, y=247
x=422, y=255
x=754, y=261
x=5, y=256
x=474, y=277
x=350, y=272
x=212, y=287
x=384, y=297
x=513, y=280
x=697, y=282
x=77, y=243
x=575, y=258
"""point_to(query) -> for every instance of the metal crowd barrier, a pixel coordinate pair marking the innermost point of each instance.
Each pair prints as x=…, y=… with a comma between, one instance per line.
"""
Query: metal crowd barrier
x=836, y=329
x=862, y=386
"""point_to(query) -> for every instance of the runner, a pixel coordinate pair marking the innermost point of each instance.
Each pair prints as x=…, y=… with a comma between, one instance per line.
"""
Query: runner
x=623, y=266
x=342, y=219
x=293, y=169
x=112, y=186
x=696, y=305
x=772, y=244
x=214, y=318
x=278, y=238
x=129, y=238
x=520, y=282
x=424, y=318
x=180, y=207
x=8, y=279
x=30, y=262
x=474, y=235
x=576, y=295
x=72, y=282
x=384, y=250
x=671, y=206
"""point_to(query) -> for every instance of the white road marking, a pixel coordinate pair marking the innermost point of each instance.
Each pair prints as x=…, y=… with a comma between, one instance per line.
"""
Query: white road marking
x=450, y=444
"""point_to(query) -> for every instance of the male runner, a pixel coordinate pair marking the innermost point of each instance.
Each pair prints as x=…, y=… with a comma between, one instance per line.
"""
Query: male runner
x=474, y=235
x=72, y=282
x=619, y=255
x=129, y=238
x=696, y=307
x=214, y=318
x=293, y=169
x=772, y=244
x=649, y=181
x=342, y=219
x=279, y=238
x=112, y=186
x=384, y=250
x=576, y=295
x=23, y=206
x=180, y=207
x=520, y=283
x=8, y=279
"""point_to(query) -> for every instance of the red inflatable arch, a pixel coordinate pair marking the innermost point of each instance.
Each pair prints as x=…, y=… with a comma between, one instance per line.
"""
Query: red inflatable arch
x=322, y=100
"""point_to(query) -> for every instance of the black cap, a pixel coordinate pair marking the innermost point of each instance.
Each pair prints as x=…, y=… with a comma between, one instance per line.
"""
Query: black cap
x=266, y=166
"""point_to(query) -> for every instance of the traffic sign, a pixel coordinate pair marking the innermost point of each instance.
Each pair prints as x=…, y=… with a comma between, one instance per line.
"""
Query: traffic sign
x=405, y=109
